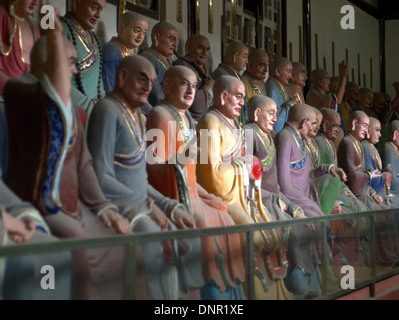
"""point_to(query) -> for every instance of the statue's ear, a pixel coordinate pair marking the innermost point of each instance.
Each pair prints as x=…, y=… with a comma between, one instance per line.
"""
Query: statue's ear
x=256, y=114
x=223, y=97
x=395, y=135
x=156, y=40
x=354, y=122
x=235, y=57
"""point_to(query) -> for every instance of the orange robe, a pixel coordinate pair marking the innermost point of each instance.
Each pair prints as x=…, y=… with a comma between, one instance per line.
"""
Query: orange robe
x=222, y=258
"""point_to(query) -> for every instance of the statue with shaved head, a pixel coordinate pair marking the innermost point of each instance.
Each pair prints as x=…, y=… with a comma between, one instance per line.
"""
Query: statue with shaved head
x=381, y=183
x=319, y=96
x=132, y=30
x=59, y=179
x=174, y=175
x=164, y=40
x=295, y=174
x=262, y=116
x=298, y=82
x=276, y=88
x=78, y=26
x=225, y=170
x=234, y=61
x=254, y=77
x=351, y=159
x=197, y=51
x=390, y=154
x=117, y=140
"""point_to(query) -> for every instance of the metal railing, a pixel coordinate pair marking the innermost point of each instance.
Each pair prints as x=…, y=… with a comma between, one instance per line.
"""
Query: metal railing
x=130, y=242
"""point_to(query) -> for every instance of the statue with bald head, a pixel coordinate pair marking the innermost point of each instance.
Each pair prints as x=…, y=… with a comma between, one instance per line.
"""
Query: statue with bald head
x=254, y=77
x=117, y=140
x=262, y=116
x=164, y=40
x=174, y=175
x=78, y=26
x=234, y=60
x=59, y=179
x=132, y=30
x=225, y=170
x=276, y=88
x=390, y=154
x=351, y=157
x=381, y=183
x=197, y=51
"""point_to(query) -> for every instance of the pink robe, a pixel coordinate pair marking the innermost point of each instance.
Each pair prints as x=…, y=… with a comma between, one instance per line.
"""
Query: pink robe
x=11, y=63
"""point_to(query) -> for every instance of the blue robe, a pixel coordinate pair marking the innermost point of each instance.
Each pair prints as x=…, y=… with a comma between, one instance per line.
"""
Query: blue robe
x=275, y=91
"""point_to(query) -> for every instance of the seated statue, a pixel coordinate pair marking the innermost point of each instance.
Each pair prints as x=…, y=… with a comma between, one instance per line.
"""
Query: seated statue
x=49, y=155
x=381, y=183
x=174, y=175
x=279, y=79
x=78, y=26
x=225, y=170
x=327, y=186
x=351, y=159
x=20, y=276
x=299, y=249
x=117, y=140
x=164, y=39
x=197, y=51
x=254, y=77
x=132, y=30
x=298, y=82
x=296, y=176
x=18, y=34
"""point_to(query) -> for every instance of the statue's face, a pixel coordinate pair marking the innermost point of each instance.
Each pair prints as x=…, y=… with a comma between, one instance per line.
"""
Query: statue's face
x=180, y=90
x=267, y=117
x=233, y=101
x=331, y=129
x=137, y=85
x=88, y=12
x=360, y=128
x=241, y=60
x=284, y=74
x=134, y=33
x=315, y=126
x=352, y=96
x=199, y=51
x=374, y=132
x=378, y=104
x=26, y=7
x=300, y=76
x=324, y=83
x=166, y=43
x=366, y=100
x=258, y=69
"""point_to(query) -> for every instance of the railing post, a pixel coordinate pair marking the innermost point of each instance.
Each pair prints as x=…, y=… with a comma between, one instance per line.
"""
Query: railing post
x=130, y=271
x=373, y=254
x=325, y=260
x=250, y=266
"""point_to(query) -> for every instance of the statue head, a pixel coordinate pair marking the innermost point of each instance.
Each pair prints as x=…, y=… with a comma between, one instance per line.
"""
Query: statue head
x=236, y=56
x=299, y=75
x=374, y=133
x=198, y=48
x=164, y=38
x=320, y=80
x=331, y=123
x=132, y=30
x=38, y=57
x=351, y=93
x=281, y=70
x=135, y=76
x=365, y=100
x=228, y=95
x=179, y=86
x=258, y=64
x=359, y=125
x=88, y=12
x=262, y=111
x=302, y=117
